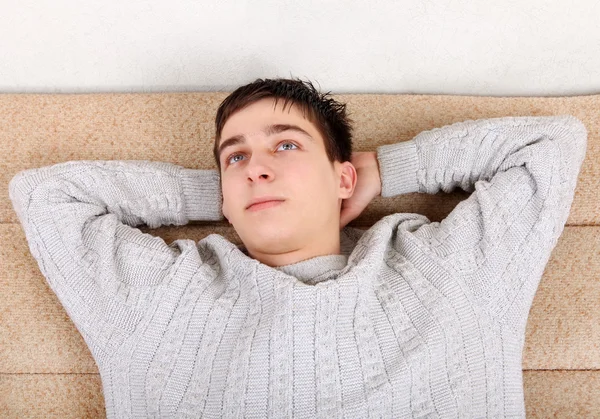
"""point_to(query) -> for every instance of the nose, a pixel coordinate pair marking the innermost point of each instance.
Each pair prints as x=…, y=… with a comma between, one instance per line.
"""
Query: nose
x=259, y=171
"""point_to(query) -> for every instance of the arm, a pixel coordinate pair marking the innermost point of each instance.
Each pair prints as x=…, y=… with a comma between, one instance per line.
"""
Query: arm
x=522, y=172
x=79, y=219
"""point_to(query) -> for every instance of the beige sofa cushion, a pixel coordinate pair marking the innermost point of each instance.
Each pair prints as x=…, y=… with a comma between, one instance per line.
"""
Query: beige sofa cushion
x=46, y=369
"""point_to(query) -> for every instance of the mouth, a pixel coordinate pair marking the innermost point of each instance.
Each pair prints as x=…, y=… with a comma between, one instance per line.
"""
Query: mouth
x=264, y=205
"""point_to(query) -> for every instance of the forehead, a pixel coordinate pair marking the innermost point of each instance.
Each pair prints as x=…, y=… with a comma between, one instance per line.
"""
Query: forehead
x=253, y=118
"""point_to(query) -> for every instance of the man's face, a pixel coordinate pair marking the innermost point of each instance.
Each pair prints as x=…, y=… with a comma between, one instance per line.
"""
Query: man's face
x=286, y=165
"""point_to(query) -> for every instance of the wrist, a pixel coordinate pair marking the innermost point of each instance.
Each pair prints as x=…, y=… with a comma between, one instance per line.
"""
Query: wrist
x=398, y=165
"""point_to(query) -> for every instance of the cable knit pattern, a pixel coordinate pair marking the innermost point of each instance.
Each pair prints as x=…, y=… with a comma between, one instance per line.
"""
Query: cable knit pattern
x=413, y=319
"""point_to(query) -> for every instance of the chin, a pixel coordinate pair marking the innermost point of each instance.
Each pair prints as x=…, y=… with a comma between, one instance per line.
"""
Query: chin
x=269, y=240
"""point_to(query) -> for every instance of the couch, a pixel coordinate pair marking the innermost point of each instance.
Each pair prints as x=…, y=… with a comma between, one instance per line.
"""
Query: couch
x=46, y=369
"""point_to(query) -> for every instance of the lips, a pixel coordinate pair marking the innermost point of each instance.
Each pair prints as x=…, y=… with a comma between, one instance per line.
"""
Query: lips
x=264, y=202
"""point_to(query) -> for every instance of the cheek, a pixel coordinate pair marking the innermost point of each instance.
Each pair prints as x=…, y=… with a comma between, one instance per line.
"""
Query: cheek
x=313, y=181
x=229, y=195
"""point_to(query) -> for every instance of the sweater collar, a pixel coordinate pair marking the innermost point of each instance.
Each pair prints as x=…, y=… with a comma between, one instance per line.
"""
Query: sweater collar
x=316, y=269
x=320, y=268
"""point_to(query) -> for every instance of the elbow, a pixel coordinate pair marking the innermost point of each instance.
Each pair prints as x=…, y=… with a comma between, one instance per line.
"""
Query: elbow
x=17, y=188
x=576, y=136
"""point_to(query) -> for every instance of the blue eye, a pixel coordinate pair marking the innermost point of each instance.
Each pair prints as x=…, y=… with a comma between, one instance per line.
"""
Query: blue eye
x=289, y=144
x=233, y=156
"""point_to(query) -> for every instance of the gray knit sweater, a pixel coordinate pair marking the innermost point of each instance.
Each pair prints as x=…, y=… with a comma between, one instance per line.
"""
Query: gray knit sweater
x=414, y=319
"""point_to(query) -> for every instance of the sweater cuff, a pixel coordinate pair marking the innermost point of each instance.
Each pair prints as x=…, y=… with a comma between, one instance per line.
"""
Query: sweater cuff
x=202, y=197
x=398, y=166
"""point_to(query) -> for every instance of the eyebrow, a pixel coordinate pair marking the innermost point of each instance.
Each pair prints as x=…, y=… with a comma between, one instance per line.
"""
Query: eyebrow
x=269, y=130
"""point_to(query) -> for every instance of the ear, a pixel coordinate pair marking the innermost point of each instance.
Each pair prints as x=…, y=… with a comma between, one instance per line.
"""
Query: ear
x=348, y=179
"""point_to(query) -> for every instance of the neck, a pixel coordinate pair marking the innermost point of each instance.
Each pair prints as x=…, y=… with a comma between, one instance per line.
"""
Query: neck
x=309, y=251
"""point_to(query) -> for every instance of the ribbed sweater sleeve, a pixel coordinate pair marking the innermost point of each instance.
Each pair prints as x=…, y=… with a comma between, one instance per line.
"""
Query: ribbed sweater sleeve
x=522, y=172
x=79, y=219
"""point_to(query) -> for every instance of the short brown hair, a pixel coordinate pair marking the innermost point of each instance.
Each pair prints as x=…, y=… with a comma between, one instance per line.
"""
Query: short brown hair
x=328, y=115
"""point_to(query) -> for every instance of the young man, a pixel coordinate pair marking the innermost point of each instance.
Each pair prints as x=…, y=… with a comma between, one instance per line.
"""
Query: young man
x=410, y=318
